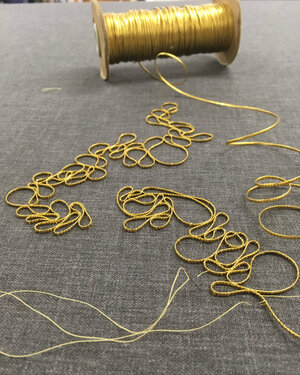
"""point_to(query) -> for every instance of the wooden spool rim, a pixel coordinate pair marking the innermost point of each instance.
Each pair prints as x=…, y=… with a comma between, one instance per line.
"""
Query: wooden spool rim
x=224, y=58
x=101, y=39
x=227, y=57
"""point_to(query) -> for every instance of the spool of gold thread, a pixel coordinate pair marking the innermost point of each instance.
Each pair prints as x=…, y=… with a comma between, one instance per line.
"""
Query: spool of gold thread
x=140, y=35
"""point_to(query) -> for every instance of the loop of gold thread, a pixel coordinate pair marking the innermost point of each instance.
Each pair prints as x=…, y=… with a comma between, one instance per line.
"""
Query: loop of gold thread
x=159, y=206
x=181, y=30
x=128, y=337
x=91, y=166
x=44, y=217
x=280, y=206
x=278, y=182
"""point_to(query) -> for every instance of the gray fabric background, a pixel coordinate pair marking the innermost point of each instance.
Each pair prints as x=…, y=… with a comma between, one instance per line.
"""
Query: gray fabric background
x=129, y=275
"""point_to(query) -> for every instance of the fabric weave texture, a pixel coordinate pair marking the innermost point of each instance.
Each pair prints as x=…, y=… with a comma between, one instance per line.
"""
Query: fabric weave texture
x=128, y=275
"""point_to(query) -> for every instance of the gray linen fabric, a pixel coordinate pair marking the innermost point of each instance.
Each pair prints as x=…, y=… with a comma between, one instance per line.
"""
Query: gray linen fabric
x=128, y=275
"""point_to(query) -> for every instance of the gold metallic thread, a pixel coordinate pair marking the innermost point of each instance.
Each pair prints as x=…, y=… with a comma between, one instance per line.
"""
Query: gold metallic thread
x=141, y=34
x=277, y=182
x=178, y=31
x=239, y=141
x=159, y=208
x=175, y=31
x=128, y=335
x=92, y=166
x=242, y=141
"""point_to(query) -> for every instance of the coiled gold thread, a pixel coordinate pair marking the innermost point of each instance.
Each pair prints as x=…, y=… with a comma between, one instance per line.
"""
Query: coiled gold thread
x=92, y=166
x=141, y=34
x=193, y=29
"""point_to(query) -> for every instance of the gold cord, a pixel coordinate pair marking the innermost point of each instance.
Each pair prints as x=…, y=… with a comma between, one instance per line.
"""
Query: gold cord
x=91, y=166
x=211, y=230
x=160, y=208
x=46, y=218
x=282, y=206
x=279, y=182
x=239, y=141
x=181, y=30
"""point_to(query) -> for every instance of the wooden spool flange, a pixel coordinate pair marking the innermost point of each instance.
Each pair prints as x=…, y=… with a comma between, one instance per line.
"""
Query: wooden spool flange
x=224, y=57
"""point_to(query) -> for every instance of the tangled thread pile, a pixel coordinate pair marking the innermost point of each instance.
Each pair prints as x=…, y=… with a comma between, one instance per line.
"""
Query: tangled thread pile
x=92, y=166
x=180, y=30
x=47, y=218
x=160, y=208
x=279, y=183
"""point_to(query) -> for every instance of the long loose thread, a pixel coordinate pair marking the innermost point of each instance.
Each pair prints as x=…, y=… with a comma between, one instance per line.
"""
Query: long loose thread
x=241, y=141
x=129, y=336
x=238, y=141
x=141, y=34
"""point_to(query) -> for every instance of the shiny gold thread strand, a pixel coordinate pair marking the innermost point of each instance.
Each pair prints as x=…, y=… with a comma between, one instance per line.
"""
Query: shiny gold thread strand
x=128, y=335
x=180, y=30
x=274, y=182
x=238, y=141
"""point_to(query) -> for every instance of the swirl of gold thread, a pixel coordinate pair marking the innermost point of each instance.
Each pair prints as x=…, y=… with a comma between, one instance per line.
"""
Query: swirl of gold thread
x=46, y=219
x=128, y=337
x=178, y=132
x=239, y=141
x=279, y=182
x=159, y=209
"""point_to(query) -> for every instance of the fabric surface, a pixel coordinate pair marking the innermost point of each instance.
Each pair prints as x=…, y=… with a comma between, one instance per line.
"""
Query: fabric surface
x=128, y=275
